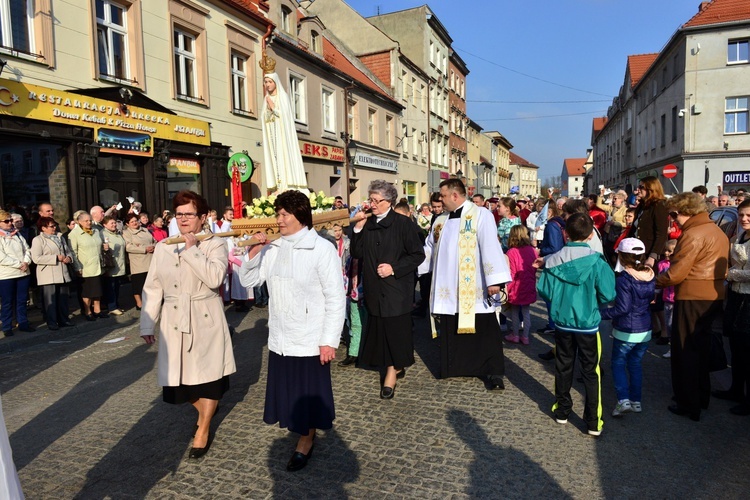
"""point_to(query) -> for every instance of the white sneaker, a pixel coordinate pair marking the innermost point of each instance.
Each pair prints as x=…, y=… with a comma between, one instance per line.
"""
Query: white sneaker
x=594, y=433
x=636, y=406
x=667, y=354
x=622, y=408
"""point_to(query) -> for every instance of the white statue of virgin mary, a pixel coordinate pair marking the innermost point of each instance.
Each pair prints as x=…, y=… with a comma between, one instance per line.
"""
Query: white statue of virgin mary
x=282, y=161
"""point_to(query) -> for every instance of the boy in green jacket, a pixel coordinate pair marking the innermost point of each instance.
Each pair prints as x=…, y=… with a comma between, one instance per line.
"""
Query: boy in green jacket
x=576, y=281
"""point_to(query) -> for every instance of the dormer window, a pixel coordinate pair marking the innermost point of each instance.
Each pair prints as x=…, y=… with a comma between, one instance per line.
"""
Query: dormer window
x=286, y=19
x=315, y=42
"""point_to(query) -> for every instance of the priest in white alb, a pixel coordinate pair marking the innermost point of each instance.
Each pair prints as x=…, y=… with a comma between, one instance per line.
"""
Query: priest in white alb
x=469, y=270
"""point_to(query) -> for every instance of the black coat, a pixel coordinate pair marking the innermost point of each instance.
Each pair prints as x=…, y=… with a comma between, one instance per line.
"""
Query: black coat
x=392, y=241
x=652, y=228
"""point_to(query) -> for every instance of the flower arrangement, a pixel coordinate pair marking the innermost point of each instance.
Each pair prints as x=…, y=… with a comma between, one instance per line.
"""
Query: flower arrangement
x=320, y=202
x=262, y=207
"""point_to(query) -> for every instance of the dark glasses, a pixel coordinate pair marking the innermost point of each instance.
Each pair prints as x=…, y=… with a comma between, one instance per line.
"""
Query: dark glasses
x=673, y=214
x=7, y=221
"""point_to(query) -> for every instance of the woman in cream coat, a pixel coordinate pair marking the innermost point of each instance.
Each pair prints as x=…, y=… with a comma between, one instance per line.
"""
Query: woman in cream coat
x=140, y=245
x=307, y=304
x=182, y=289
x=15, y=257
x=52, y=255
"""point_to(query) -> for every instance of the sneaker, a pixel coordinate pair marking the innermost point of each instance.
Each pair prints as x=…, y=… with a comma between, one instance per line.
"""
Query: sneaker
x=511, y=338
x=525, y=340
x=622, y=408
x=636, y=406
x=115, y=312
x=560, y=418
x=667, y=354
x=595, y=432
x=545, y=330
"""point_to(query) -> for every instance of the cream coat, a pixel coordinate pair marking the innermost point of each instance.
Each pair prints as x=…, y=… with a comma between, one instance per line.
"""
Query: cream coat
x=117, y=246
x=307, y=301
x=135, y=244
x=739, y=259
x=194, y=343
x=87, y=251
x=14, y=251
x=49, y=270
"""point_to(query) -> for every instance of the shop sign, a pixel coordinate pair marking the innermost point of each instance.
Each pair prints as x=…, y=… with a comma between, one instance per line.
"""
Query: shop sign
x=322, y=151
x=365, y=160
x=121, y=142
x=41, y=103
x=737, y=177
x=184, y=166
x=244, y=165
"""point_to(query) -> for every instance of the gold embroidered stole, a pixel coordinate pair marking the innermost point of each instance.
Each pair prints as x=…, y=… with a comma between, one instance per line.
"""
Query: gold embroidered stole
x=467, y=268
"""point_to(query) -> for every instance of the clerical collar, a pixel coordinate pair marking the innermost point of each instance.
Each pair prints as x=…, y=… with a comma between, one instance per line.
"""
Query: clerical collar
x=456, y=214
x=380, y=217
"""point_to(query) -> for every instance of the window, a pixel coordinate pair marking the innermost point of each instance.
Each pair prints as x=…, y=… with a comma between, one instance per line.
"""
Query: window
x=28, y=162
x=737, y=51
x=112, y=39
x=239, y=83
x=404, y=89
x=297, y=95
x=185, y=64
x=315, y=42
x=404, y=139
x=371, y=125
x=422, y=146
x=329, y=111
x=44, y=161
x=663, y=130
x=17, y=25
x=653, y=134
x=414, y=142
x=735, y=115
x=388, y=132
x=674, y=123
x=422, y=98
x=432, y=52
x=414, y=92
x=241, y=67
x=286, y=19
x=352, y=118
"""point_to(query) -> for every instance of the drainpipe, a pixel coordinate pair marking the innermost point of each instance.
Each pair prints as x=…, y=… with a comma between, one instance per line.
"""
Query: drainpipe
x=346, y=138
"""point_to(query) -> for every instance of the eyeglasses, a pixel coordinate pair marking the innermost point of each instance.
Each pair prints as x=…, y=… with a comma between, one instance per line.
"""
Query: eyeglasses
x=7, y=221
x=375, y=202
x=642, y=188
x=673, y=215
x=186, y=215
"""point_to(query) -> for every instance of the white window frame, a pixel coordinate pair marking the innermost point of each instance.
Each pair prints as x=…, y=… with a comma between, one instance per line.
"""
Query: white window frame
x=737, y=44
x=298, y=95
x=7, y=30
x=315, y=42
x=286, y=18
x=404, y=139
x=109, y=29
x=328, y=110
x=353, y=119
x=372, y=125
x=735, y=111
x=183, y=56
x=388, y=131
x=240, y=102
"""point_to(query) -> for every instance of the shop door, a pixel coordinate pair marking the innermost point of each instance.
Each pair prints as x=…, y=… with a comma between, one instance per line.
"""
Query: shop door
x=120, y=177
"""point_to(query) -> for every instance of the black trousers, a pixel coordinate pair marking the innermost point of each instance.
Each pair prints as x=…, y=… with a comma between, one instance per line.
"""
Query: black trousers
x=691, y=348
x=588, y=348
x=736, y=326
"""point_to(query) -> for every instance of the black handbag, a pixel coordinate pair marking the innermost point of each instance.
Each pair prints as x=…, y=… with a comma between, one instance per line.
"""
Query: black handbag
x=108, y=259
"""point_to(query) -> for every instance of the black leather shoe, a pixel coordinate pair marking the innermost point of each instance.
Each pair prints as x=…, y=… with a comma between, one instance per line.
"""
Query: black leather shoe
x=90, y=317
x=547, y=356
x=401, y=374
x=741, y=409
x=494, y=383
x=299, y=460
x=53, y=327
x=27, y=328
x=199, y=452
x=695, y=417
x=68, y=323
x=387, y=392
x=728, y=395
x=348, y=360
x=102, y=315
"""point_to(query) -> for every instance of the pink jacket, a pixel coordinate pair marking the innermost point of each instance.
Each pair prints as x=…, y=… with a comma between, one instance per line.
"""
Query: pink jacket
x=668, y=292
x=522, y=290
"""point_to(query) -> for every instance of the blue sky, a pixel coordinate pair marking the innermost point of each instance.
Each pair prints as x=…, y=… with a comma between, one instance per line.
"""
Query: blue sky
x=582, y=44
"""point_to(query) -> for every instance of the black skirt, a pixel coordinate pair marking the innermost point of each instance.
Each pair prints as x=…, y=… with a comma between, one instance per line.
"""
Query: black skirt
x=91, y=288
x=186, y=393
x=299, y=395
x=137, y=281
x=389, y=341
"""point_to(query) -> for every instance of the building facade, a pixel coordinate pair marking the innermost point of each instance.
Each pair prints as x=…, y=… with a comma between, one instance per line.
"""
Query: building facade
x=572, y=177
x=458, y=119
x=689, y=108
x=524, y=176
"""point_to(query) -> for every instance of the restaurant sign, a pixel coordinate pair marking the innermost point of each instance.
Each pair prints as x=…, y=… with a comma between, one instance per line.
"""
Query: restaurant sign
x=25, y=100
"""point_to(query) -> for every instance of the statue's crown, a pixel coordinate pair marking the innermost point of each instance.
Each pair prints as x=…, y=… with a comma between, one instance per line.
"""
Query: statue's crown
x=267, y=64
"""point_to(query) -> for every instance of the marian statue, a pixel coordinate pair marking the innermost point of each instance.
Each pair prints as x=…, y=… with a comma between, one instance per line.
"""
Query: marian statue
x=282, y=161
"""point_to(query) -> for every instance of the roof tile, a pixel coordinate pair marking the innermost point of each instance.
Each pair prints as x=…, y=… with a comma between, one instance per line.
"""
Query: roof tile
x=638, y=64
x=575, y=166
x=720, y=11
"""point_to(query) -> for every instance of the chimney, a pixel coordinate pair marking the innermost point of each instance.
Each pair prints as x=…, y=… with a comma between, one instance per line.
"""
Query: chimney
x=702, y=6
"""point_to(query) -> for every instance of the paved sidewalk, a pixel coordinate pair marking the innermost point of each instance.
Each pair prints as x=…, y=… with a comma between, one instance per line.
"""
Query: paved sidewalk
x=86, y=420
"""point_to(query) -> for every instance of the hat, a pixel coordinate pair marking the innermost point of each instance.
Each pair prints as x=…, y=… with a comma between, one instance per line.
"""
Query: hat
x=521, y=200
x=631, y=245
x=493, y=200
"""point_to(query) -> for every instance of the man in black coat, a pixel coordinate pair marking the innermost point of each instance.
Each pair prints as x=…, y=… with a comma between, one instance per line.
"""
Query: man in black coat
x=390, y=251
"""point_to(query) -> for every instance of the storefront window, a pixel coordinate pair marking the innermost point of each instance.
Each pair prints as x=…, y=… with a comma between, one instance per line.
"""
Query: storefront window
x=26, y=168
x=410, y=191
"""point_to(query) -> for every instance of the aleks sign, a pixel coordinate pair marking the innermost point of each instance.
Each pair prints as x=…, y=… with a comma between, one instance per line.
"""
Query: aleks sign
x=45, y=104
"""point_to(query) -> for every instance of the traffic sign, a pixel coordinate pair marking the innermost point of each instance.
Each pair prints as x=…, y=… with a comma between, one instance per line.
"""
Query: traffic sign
x=669, y=171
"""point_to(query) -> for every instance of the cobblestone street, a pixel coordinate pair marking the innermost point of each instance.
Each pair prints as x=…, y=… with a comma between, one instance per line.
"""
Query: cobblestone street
x=85, y=420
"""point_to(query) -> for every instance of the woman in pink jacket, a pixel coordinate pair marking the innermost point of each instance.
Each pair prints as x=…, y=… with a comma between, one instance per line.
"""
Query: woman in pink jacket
x=522, y=290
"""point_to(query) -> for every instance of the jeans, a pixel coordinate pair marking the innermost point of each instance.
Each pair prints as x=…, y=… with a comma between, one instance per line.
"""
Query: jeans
x=14, y=294
x=626, y=360
x=111, y=289
x=55, y=299
x=261, y=295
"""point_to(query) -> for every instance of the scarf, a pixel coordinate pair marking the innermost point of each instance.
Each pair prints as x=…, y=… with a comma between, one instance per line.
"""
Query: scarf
x=87, y=231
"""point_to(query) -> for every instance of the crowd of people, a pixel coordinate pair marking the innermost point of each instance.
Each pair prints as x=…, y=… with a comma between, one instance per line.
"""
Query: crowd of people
x=654, y=265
